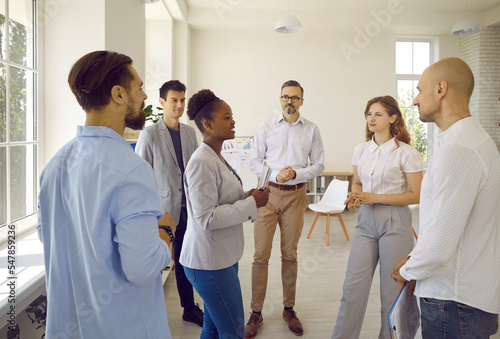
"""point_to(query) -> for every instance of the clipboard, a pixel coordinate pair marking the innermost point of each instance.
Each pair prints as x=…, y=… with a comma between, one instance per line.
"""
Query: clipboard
x=404, y=316
x=264, y=178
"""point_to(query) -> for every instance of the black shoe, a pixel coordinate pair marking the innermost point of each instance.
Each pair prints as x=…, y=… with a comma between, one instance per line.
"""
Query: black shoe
x=193, y=315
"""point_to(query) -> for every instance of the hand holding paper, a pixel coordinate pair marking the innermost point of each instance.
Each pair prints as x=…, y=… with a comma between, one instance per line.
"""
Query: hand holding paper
x=397, y=277
x=264, y=178
x=261, y=197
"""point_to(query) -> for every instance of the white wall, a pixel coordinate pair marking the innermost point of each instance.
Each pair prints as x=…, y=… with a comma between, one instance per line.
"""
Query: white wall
x=125, y=29
x=480, y=51
x=448, y=46
x=62, y=47
x=247, y=68
x=73, y=29
x=158, y=57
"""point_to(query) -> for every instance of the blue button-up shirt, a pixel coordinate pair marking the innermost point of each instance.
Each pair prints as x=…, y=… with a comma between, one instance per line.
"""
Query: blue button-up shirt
x=98, y=213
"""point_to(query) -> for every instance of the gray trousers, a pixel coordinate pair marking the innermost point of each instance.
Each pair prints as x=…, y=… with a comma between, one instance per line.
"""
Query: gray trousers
x=383, y=233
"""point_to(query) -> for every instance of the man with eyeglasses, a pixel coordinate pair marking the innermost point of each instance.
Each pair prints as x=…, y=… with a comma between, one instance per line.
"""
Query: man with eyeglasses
x=292, y=147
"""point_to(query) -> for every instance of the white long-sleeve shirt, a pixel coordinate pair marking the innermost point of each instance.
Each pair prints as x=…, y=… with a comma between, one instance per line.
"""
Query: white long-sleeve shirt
x=279, y=144
x=457, y=254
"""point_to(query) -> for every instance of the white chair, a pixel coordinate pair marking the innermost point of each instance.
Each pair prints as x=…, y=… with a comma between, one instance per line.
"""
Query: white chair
x=332, y=204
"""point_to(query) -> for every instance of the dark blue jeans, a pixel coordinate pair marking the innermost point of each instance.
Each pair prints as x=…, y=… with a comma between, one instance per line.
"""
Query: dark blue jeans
x=222, y=301
x=449, y=319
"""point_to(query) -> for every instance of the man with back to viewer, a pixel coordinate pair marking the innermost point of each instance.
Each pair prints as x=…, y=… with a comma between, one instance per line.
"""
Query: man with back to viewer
x=286, y=143
x=455, y=260
x=98, y=215
x=167, y=146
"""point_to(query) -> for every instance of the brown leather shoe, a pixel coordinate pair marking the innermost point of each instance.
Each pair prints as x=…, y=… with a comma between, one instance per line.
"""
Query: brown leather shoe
x=252, y=325
x=294, y=323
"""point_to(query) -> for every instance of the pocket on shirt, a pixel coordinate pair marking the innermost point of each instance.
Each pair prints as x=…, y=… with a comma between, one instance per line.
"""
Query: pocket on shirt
x=165, y=199
x=163, y=193
x=224, y=233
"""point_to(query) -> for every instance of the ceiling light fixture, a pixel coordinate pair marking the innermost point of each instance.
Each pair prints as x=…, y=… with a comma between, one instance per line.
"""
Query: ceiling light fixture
x=466, y=27
x=288, y=24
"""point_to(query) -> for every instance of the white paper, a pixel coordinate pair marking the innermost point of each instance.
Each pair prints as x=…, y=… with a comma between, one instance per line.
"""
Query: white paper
x=264, y=177
x=404, y=316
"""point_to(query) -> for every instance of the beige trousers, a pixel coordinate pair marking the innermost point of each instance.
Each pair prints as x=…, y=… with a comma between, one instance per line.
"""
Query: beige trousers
x=285, y=208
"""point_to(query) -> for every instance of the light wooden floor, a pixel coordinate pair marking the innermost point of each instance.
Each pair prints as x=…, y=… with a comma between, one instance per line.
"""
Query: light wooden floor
x=319, y=286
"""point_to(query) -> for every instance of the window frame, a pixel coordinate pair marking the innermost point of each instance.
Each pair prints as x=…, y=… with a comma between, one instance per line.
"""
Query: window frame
x=432, y=130
x=26, y=224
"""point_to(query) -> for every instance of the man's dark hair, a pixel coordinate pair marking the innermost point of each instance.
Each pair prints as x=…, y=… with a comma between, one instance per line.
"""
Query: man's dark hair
x=292, y=83
x=93, y=76
x=172, y=85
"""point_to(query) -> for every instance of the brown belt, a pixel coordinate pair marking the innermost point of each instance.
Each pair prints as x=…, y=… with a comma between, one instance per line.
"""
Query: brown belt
x=287, y=187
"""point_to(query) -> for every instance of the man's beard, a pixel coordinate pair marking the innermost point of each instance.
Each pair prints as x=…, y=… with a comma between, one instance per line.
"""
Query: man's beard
x=133, y=120
x=290, y=110
x=426, y=116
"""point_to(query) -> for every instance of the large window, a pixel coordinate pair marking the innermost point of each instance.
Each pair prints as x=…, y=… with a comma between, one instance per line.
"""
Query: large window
x=18, y=110
x=412, y=58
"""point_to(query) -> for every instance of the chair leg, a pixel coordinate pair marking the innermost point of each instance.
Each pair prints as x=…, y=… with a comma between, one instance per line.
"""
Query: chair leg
x=342, y=224
x=328, y=230
x=414, y=233
x=314, y=223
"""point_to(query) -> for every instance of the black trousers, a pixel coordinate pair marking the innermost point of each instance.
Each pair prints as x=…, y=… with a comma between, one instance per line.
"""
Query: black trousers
x=184, y=287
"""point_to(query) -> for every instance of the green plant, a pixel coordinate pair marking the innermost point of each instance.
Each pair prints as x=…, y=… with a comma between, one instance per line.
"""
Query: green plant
x=14, y=333
x=416, y=128
x=16, y=102
x=38, y=309
x=151, y=115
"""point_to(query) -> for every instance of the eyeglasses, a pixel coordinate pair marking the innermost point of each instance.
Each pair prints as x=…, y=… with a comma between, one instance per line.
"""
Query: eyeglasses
x=285, y=98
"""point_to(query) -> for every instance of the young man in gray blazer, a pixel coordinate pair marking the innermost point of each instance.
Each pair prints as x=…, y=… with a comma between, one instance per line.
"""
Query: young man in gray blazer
x=167, y=146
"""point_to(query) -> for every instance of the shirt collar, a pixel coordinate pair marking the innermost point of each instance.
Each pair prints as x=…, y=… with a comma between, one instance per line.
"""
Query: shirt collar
x=455, y=128
x=385, y=148
x=161, y=123
x=210, y=149
x=281, y=118
x=100, y=131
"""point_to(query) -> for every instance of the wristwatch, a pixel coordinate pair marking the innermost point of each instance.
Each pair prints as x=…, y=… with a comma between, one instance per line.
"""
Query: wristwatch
x=169, y=231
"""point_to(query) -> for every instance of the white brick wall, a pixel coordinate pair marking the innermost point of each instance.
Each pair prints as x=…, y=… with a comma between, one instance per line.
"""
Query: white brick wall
x=482, y=53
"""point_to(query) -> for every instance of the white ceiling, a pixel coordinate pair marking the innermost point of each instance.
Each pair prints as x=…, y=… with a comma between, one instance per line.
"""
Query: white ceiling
x=327, y=5
x=409, y=17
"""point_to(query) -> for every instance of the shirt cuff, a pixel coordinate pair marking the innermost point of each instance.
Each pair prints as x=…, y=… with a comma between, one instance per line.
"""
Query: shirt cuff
x=403, y=273
x=274, y=176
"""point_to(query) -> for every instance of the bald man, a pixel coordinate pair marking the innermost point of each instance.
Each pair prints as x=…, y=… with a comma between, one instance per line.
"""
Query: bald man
x=455, y=262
